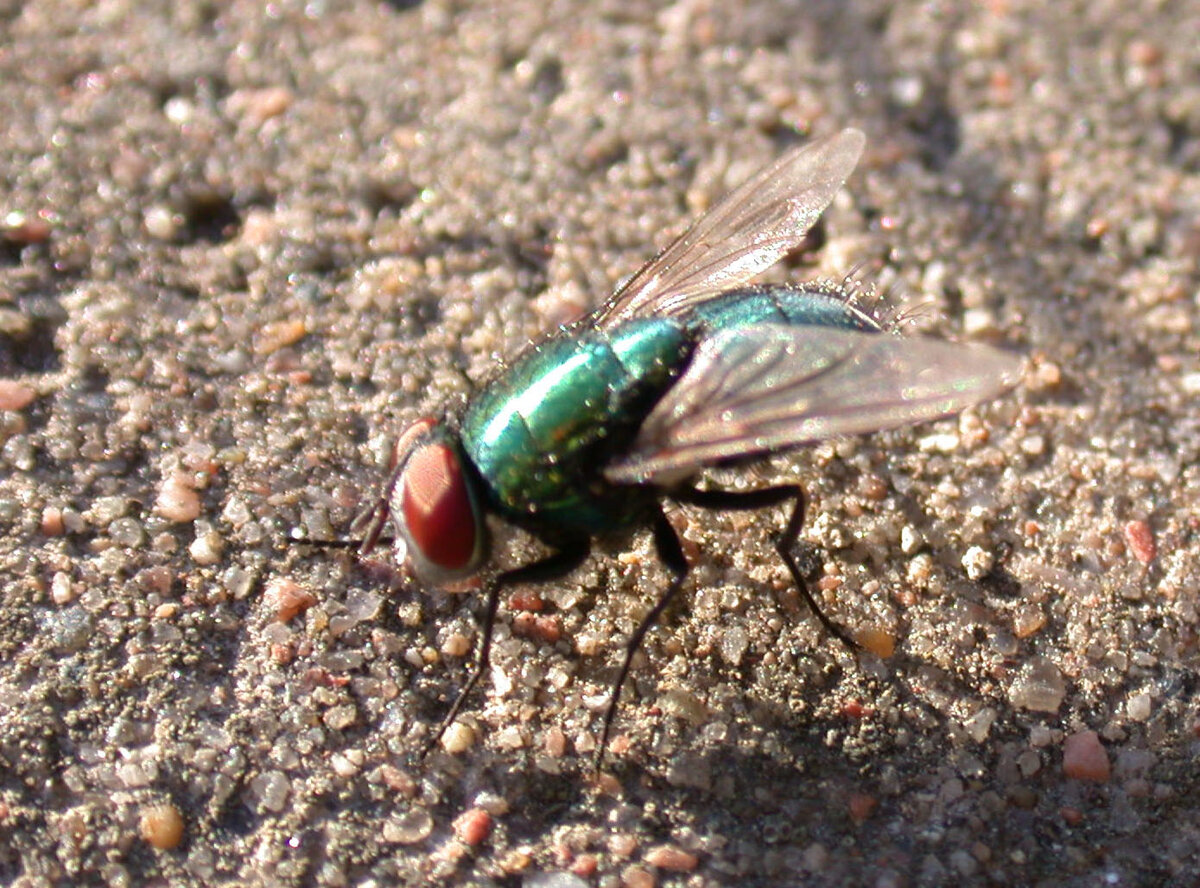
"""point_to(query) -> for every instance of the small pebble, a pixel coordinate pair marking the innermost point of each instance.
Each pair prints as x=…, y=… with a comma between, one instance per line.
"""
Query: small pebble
x=1038, y=687
x=1027, y=620
x=1030, y=762
x=556, y=743
x=206, y=548
x=1190, y=383
x=177, y=500
x=734, y=643
x=526, y=601
x=274, y=336
x=127, y=532
x=107, y=509
x=287, y=598
x=1140, y=539
x=70, y=629
x=978, y=562
x=872, y=488
x=638, y=877
x=911, y=540
x=22, y=229
x=861, y=806
x=344, y=765
x=622, y=845
x=1084, y=758
x=62, y=590
x=1045, y=375
x=920, y=569
x=339, y=718
x=156, y=580
x=52, y=521
x=256, y=106
x=978, y=321
x=584, y=865
x=271, y=788
x=1033, y=445
x=162, y=826
x=683, y=704
x=945, y=442
x=672, y=859
x=854, y=709
x=408, y=828
x=1071, y=816
x=980, y=724
x=456, y=645
x=495, y=804
x=516, y=861
x=878, y=641
x=161, y=222
x=15, y=395
x=473, y=826
x=458, y=738
x=1138, y=707
x=545, y=629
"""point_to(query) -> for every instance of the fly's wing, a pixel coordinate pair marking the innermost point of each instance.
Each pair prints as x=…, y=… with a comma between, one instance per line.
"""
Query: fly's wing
x=755, y=389
x=747, y=232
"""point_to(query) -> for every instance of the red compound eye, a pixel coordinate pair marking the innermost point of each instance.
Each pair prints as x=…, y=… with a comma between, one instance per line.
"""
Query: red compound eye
x=436, y=504
x=407, y=441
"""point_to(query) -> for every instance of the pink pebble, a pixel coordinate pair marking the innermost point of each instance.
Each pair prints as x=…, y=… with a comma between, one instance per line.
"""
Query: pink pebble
x=15, y=395
x=473, y=826
x=1139, y=536
x=1084, y=758
x=287, y=598
x=675, y=860
x=177, y=500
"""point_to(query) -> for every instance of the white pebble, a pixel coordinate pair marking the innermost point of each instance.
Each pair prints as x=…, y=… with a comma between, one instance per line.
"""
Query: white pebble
x=458, y=738
x=1138, y=707
x=978, y=562
x=1038, y=687
x=206, y=548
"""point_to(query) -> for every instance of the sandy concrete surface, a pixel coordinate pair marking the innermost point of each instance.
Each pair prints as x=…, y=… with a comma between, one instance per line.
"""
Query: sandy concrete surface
x=241, y=244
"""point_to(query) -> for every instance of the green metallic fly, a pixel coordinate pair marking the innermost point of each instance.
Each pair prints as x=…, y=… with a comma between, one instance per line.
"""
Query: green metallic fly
x=685, y=368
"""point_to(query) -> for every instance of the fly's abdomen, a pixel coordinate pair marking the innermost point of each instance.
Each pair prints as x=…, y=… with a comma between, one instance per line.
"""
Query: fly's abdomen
x=540, y=433
x=815, y=304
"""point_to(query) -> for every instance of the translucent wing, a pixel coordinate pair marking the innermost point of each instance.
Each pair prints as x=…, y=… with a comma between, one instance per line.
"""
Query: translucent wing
x=747, y=232
x=755, y=389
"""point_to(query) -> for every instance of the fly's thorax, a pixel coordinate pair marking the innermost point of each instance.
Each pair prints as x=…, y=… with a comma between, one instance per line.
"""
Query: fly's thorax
x=540, y=435
x=434, y=504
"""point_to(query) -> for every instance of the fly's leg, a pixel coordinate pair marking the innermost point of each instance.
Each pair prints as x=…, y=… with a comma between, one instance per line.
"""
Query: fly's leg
x=670, y=552
x=761, y=499
x=555, y=565
x=372, y=520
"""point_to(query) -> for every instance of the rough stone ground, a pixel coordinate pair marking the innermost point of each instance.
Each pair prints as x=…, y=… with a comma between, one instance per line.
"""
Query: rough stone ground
x=243, y=243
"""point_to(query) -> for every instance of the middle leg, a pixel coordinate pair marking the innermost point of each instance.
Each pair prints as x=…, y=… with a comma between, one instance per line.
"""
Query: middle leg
x=784, y=542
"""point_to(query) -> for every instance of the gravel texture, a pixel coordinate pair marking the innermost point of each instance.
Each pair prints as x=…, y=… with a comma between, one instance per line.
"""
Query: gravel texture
x=241, y=244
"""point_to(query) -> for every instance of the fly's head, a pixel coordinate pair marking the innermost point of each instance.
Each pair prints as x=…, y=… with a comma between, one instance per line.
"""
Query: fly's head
x=431, y=500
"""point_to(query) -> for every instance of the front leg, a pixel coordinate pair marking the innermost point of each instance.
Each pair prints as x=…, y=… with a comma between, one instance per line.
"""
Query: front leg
x=557, y=564
x=760, y=499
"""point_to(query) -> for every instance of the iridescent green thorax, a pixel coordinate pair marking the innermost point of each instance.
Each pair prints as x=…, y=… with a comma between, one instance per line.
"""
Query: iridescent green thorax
x=540, y=433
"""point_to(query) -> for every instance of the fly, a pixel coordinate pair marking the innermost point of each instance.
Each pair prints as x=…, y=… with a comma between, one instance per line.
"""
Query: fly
x=686, y=367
